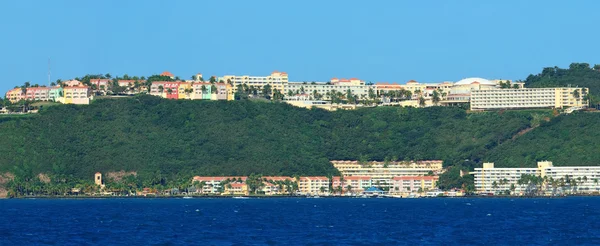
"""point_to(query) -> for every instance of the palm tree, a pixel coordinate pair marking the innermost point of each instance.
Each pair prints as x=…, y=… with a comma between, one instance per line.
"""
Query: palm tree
x=161, y=88
x=421, y=101
x=322, y=189
x=349, y=188
x=576, y=94
x=435, y=98
x=213, y=89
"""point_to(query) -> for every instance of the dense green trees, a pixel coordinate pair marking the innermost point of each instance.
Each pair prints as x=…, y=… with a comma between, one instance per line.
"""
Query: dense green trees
x=168, y=141
x=578, y=74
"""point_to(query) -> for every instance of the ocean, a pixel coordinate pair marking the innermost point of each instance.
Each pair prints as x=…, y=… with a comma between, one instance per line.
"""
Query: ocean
x=301, y=221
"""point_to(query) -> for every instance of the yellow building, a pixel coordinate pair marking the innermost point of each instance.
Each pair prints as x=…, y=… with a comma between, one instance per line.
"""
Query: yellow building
x=236, y=189
x=15, y=95
x=76, y=95
x=184, y=90
x=560, y=97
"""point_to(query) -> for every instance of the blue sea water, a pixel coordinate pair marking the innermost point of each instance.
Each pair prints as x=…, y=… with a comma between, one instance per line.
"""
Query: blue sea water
x=295, y=221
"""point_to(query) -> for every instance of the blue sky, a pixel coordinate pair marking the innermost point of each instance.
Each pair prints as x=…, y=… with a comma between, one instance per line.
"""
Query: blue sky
x=378, y=41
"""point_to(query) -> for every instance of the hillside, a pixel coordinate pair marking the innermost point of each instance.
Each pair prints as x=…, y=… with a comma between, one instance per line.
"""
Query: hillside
x=578, y=74
x=567, y=140
x=164, y=139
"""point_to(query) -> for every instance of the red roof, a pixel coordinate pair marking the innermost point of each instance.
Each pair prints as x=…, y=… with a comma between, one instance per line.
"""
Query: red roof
x=167, y=73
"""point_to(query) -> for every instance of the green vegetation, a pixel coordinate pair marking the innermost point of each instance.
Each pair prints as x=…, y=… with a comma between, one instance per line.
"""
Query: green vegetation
x=566, y=140
x=578, y=74
x=169, y=140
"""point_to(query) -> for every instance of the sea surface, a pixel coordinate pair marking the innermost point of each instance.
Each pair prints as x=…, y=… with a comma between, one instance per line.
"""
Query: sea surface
x=301, y=221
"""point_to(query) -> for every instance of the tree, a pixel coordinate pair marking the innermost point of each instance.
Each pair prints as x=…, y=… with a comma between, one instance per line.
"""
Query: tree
x=266, y=90
x=161, y=88
x=576, y=94
x=349, y=188
x=435, y=98
x=213, y=89
x=322, y=189
x=421, y=101
x=212, y=79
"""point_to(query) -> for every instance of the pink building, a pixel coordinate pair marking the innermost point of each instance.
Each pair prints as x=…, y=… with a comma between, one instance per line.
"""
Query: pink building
x=37, y=93
x=358, y=183
x=101, y=84
x=413, y=184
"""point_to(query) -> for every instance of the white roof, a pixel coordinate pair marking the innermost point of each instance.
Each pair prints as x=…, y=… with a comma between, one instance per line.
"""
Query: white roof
x=469, y=81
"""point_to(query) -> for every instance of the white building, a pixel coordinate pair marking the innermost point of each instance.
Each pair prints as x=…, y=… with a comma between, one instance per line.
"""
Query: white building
x=562, y=97
x=324, y=89
x=277, y=80
x=578, y=179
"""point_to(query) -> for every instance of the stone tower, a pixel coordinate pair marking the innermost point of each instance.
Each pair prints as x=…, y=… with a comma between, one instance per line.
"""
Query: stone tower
x=98, y=179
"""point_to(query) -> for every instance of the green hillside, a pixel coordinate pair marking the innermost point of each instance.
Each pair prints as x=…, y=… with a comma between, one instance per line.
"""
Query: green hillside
x=578, y=74
x=567, y=140
x=164, y=139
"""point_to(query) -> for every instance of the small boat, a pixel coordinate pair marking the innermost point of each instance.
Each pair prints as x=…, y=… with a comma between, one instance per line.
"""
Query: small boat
x=240, y=197
x=187, y=197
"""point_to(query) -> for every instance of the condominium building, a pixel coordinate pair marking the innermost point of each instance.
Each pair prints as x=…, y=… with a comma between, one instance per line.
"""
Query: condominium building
x=324, y=90
x=382, y=173
x=413, y=184
x=15, y=95
x=55, y=94
x=561, y=97
x=166, y=89
x=277, y=80
x=357, y=184
x=100, y=84
x=76, y=95
x=313, y=185
x=37, y=93
x=490, y=179
x=212, y=185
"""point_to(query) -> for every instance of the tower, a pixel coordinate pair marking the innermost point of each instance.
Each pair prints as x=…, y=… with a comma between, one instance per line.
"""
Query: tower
x=98, y=179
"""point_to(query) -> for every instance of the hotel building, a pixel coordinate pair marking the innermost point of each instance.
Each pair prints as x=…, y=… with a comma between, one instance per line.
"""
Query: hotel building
x=312, y=185
x=490, y=179
x=212, y=185
x=382, y=174
x=413, y=184
x=358, y=184
x=305, y=90
x=277, y=80
x=562, y=97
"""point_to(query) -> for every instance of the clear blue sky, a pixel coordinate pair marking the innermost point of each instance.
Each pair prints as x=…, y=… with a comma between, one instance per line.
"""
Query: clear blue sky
x=390, y=41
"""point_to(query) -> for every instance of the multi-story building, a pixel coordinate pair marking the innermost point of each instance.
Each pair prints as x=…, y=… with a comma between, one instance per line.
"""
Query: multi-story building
x=236, y=189
x=15, y=95
x=277, y=80
x=100, y=84
x=166, y=89
x=562, y=97
x=313, y=185
x=55, y=94
x=76, y=95
x=357, y=184
x=325, y=89
x=37, y=93
x=582, y=179
x=212, y=185
x=412, y=184
x=211, y=91
x=382, y=173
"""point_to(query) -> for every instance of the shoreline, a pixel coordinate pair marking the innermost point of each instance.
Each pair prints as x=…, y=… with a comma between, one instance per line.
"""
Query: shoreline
x=275, y=197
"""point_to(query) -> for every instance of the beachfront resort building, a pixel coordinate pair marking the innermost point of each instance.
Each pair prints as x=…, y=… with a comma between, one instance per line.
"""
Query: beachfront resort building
x=382, y=173
x=560, y=97
x=564, y=179
x=406, y=185
x=313, y=185
x=352, y=184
